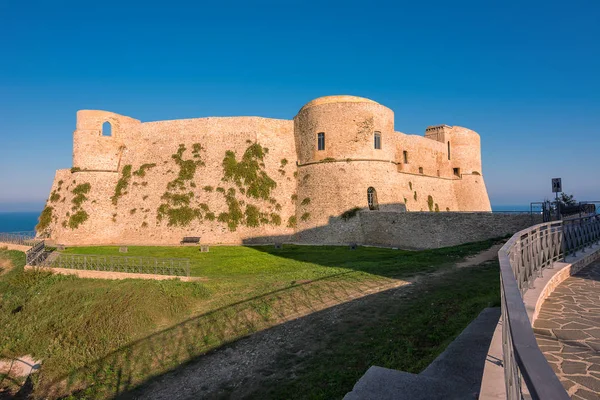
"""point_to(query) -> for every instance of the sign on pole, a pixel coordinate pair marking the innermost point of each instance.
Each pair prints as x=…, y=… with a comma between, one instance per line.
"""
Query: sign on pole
x=556, y=185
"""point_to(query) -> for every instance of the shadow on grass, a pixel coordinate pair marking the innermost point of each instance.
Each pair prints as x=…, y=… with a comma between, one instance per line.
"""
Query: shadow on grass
x=158, y=353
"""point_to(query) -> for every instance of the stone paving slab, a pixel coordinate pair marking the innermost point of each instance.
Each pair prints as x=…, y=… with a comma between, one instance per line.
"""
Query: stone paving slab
x=568, y=333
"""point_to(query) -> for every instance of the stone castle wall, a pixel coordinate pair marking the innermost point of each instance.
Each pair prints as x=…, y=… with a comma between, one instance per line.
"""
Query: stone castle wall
x=242, y=179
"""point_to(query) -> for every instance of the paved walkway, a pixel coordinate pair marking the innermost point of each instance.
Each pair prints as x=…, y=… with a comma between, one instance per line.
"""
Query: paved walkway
x=568, y=333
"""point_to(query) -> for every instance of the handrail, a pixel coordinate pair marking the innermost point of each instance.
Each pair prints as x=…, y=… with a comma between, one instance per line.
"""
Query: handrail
x=523, y=259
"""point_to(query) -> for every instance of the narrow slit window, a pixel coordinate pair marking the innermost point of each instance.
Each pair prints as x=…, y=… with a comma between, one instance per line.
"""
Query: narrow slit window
x=420, y=170
x=405, y=155
x=321, y=141
x=448, y=150
x=378, y=140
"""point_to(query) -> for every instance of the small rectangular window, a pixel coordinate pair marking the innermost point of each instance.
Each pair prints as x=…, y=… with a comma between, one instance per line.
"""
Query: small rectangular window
x=405, y=154
x=456, y=171
x=378, y=140
x=420, y=170
x=321, y=141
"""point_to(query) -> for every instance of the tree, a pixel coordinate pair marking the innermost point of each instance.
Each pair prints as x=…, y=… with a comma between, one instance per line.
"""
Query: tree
x=566, y=200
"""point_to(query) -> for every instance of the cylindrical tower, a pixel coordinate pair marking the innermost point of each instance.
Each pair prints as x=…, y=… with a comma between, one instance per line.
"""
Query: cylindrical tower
x=346, y=145
x=465, y=150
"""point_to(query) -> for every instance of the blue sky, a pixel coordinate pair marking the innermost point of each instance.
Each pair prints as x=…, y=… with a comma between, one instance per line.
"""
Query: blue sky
x=525, y=75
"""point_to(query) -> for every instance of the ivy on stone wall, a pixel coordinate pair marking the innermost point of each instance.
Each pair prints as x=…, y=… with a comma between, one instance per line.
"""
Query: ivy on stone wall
x=141, y=172
x=177, y=207
x=250, y=179
x=249, y=172
x=77, y=219
x=122, y=184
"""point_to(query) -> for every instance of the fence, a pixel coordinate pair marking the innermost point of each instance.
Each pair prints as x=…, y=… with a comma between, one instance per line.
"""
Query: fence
x=25, y=238
x=127, y=264
x=523, y=259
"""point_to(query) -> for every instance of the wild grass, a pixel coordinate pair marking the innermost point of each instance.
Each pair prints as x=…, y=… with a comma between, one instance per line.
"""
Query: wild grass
x=93, y=330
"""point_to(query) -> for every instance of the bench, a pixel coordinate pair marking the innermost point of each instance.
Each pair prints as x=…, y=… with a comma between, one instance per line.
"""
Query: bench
x=191, y=239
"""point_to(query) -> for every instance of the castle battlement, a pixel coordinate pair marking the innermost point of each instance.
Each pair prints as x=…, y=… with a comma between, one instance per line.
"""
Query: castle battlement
x=231, y=178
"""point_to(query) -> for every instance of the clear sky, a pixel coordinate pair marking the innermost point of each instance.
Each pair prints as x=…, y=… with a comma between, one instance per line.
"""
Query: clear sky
x=525, y=75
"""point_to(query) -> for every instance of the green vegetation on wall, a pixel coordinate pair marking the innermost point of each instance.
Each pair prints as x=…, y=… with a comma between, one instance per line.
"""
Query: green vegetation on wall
x=437, y=208
x=187, y=168
x=44, y=219
x=77, y=219
x=141, y=172
x=305, y=217
x=122, y=184
x=292, y=222
x=351, y=213
x=305, y=202
x=249, y=172
x=177, y=207
x=80, y=191
x=430, y=202
x=80, y=215
x=415, y=196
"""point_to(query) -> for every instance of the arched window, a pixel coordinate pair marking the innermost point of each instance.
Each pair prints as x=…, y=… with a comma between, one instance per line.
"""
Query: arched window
x=377, y=137
x=372, y=199
x=321, y=141
x=448, y=150
x=106, y=129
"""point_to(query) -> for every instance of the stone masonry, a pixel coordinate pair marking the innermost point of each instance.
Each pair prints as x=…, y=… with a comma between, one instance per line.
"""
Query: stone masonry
x=232, y=179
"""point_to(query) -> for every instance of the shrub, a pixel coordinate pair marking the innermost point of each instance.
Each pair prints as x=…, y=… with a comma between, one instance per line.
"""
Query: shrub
x=75, y=169
x=292, y=222
x=415, y=196
x=275, y=219
x=430, y=202
x=437, y=208
x=207, y=188
x=54, y=197
x=410, y=185
x=77, y=219
x=44, y=219
x=351, y=213
x=80, y=191
x=305, y=202
x=305, y=217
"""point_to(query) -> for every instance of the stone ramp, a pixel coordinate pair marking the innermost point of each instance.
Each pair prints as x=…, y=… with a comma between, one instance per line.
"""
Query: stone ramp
x=568, y=332
x=454, y=374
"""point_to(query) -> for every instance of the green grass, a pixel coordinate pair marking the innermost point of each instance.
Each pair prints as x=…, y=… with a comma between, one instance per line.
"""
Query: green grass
x=404, y=335
x=87, y=329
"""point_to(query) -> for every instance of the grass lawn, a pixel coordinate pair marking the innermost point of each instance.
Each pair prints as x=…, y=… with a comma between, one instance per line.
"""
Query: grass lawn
x=101, y=337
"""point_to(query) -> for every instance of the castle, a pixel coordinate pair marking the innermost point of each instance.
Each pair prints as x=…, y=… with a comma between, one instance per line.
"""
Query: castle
x=232, y=179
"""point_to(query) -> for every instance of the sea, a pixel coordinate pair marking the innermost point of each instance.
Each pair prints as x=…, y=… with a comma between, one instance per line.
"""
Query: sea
x=26, y=221
x=18, y=221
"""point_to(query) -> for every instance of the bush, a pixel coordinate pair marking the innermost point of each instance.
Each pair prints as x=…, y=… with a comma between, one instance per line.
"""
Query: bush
x=44, y=219
x=346, y=215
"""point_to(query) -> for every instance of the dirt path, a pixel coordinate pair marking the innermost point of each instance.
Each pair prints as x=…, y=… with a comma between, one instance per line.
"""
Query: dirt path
x=273, y=355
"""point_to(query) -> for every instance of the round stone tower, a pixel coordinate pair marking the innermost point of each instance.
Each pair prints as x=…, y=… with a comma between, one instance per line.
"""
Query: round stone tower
x=346, y=151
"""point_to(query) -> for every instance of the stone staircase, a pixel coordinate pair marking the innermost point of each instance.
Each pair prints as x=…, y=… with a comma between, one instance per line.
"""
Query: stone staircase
x=454, y=374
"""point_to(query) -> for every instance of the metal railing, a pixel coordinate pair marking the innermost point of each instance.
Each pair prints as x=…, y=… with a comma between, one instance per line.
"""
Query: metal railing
x=523, y=259
x=25, y=238
x=37, y=254
x=127, y=264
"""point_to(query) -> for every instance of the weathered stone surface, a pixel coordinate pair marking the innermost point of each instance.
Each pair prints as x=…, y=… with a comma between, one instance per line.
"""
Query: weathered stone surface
x=317, y=184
